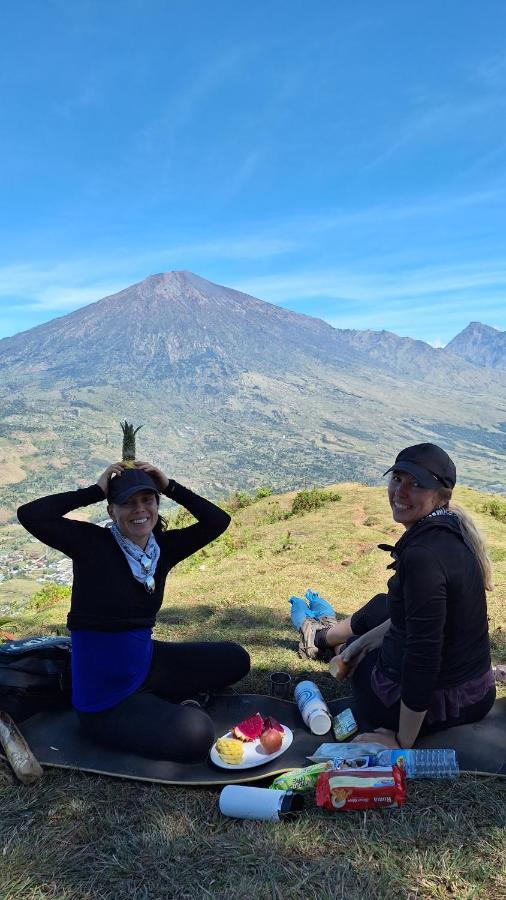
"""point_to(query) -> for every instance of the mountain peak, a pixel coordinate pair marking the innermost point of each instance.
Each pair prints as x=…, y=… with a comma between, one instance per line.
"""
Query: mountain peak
x=480, y=345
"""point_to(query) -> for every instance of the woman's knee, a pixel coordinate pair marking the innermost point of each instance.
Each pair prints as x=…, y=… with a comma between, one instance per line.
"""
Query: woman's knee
x=238, y=660
x=192, y=738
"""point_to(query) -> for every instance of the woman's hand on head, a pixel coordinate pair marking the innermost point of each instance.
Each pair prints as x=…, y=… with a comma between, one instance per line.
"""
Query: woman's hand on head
x=159, y=477
x=113, y=469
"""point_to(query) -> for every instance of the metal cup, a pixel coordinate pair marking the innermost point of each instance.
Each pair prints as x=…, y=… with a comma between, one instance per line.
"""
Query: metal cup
x=280, y=685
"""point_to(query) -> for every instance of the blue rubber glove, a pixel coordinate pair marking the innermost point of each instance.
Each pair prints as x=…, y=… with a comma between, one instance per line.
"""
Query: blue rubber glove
x=299, y=611
x=318, y=606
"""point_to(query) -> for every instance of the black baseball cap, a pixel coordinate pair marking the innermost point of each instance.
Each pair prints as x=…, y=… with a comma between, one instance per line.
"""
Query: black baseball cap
x=121, y=487
x=431, y=466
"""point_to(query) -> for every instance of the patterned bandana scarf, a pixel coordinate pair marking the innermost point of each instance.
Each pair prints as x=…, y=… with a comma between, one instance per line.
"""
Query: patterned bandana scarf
x=142, y=562
x=440, y=511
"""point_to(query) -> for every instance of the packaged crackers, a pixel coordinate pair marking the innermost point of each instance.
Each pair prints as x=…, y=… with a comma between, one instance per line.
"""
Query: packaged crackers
x=367, y=788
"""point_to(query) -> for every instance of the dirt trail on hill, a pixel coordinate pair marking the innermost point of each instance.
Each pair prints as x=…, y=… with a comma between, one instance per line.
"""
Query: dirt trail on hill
x=358, y=515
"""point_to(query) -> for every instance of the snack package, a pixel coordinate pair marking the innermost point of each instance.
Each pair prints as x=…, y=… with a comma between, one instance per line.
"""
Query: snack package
x=300, y=780
x=345, y=751
x=359, y=762
x=344, y=725
x=368, y=788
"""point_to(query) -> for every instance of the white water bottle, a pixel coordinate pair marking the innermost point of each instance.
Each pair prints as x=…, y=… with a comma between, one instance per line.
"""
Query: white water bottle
x=313, y=708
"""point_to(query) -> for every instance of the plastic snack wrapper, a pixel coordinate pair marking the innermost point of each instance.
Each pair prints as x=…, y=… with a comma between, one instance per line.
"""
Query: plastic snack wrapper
x=300, y=780
x=368, y=788
x=359, y=762
x=344, y=725
x=347, y=751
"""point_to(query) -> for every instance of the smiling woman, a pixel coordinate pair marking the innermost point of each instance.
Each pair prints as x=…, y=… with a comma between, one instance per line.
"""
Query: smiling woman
x=408, y=500
x=129, y=691
x=137, y=516
x=419, y=655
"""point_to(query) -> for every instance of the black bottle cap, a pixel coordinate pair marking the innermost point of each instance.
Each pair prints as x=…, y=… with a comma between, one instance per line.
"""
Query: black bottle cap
x=291, y=805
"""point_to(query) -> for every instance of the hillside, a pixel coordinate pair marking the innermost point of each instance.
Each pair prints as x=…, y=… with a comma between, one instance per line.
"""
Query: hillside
x=266, y=555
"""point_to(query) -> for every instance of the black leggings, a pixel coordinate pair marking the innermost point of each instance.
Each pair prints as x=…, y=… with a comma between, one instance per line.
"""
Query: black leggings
x=151, y=722
x=373, y=613
x=374, y=713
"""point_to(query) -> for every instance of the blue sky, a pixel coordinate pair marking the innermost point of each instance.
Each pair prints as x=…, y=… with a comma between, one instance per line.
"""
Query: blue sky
x=341, y=159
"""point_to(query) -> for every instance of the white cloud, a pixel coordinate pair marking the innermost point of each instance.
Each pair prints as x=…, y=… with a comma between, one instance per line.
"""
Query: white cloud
x=68, y=298
x=68, y=285
x=378, y=285
x=64, y=286
x=438, y=119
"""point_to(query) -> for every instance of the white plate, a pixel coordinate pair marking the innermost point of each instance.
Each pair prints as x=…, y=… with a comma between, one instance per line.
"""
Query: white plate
x=254, y=753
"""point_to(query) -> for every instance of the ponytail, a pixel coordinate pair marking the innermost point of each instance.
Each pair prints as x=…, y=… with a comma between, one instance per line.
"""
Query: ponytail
x=472, y=536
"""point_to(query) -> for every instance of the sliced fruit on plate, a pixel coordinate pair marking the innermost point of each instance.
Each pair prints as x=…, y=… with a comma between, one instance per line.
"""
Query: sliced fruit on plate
x=271, y=722
x=250, y=729
x=230, y=750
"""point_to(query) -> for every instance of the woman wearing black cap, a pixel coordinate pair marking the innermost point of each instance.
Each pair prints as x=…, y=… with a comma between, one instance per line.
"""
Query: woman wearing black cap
x=420, y=654
x=129, y=690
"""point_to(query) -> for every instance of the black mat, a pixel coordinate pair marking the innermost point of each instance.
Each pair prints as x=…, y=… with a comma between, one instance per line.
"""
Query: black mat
x=56, y=741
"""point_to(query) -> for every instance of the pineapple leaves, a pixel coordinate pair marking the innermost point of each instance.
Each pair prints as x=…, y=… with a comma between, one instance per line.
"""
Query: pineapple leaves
x=129, y=433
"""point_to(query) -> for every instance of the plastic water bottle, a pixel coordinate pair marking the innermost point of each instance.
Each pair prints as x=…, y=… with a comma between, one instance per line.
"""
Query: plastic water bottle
x=313, y=708
x=422, y=763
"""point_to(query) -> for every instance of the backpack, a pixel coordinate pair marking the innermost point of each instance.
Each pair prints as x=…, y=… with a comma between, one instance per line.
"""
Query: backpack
x=35, y=675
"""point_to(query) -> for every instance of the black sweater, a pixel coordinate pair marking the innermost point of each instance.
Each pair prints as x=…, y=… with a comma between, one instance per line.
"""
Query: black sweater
x=105, y=594
x=437, y=606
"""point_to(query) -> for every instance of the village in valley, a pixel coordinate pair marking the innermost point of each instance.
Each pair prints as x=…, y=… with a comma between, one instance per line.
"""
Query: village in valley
x=45, y=566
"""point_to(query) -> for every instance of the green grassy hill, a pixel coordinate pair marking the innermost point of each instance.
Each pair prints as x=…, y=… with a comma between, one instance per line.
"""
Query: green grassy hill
x=239, y=586
x=162, y=842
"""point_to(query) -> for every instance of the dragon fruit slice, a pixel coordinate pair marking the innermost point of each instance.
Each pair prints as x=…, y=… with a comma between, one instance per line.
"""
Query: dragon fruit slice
x=271, y=722
x=250, y=729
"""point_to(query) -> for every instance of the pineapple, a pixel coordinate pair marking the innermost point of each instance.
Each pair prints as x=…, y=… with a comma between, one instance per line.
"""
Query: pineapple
x=230, y=750
x=128, y=452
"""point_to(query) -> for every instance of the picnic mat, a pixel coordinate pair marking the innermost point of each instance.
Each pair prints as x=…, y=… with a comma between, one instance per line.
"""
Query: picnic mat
x=55, y=740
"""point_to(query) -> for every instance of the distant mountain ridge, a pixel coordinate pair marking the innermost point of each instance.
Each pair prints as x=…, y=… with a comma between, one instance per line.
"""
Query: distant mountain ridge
x=480, y=345
x=233, y=391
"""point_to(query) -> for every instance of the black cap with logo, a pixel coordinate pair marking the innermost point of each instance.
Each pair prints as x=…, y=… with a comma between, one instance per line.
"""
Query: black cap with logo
x=121, y=487
x=431, y=466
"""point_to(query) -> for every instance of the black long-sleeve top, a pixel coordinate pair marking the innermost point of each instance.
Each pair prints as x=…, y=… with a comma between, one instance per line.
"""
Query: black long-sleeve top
x=437, y=606
x=105, y=594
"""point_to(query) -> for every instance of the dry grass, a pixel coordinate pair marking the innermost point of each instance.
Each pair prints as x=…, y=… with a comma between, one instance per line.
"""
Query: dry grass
x=75, y=836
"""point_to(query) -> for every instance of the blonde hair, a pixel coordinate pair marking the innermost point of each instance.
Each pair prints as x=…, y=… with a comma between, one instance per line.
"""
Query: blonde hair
x=472, y=536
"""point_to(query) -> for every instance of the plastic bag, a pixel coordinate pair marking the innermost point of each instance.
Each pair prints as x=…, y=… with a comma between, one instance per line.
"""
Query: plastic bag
x=345, y=751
